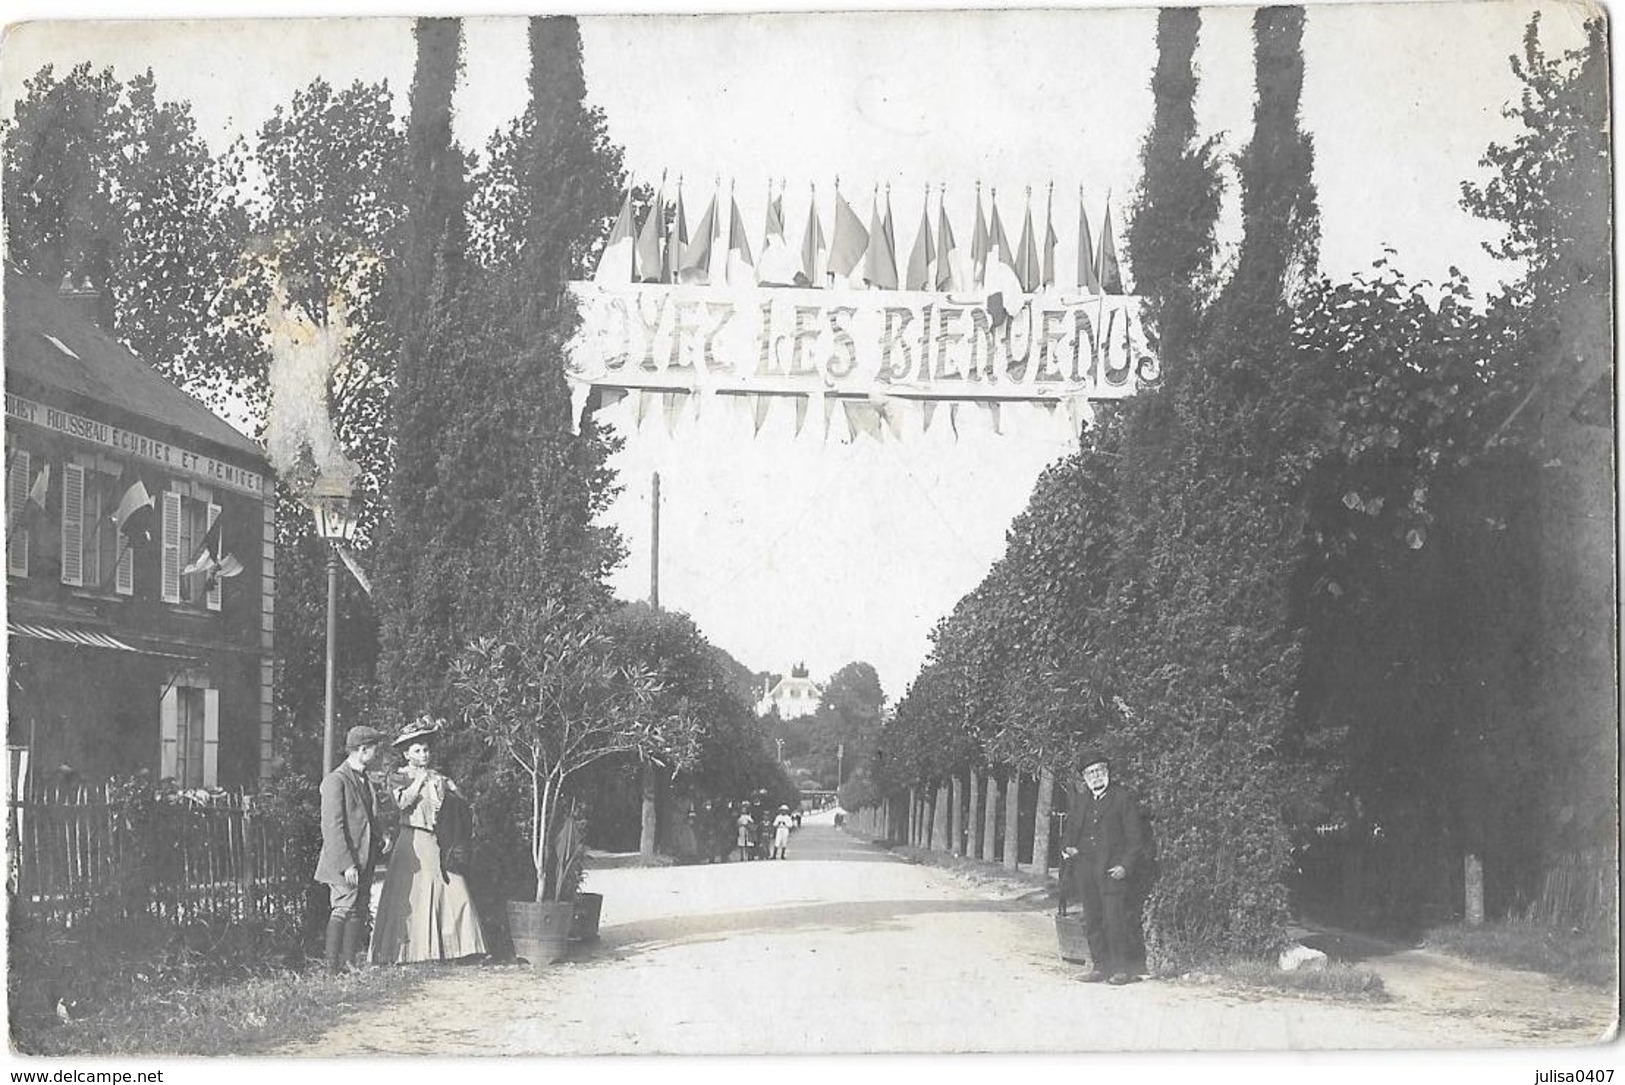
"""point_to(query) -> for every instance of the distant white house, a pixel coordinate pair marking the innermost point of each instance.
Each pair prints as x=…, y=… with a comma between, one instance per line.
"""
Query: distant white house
x=793, y=695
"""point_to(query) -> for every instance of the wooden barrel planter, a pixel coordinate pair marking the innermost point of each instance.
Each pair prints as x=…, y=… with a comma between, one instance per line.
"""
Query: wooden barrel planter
x=540, y=929
x=584, y=921
x=1072, y=937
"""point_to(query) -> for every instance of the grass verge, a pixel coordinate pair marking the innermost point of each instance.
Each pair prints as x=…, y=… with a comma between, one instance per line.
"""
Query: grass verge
x=1337, y=981
x=233, y=1017
x=1590, y=957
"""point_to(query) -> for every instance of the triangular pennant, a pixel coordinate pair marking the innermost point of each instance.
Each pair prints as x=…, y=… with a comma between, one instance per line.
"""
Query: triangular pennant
x=1088, y=269
x=354, y=565
x=978, y=242
x=801, y=413
x=579, y=394
x=928, y=410
x=1111, y=276
x=851, y=239
x=891, y=414
x=995, y=419
x=812, y=247
x=615, y=263
x=1050, y=241
x=676, y=242
x=863, y=418
x=758, y=412
x=827, y=409
x=741, y=265
x=642, y=409
x=647, y=256
x=696, y=266
x=671, y=405
x=918, y=276
x=953, y=419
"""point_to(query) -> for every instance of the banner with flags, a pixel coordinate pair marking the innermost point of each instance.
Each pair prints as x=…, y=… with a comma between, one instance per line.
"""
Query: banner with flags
x=1001, y=346
x=989, y=326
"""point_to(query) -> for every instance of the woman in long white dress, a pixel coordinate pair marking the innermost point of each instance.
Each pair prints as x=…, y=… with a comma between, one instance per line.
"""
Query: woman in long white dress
x=425, y=912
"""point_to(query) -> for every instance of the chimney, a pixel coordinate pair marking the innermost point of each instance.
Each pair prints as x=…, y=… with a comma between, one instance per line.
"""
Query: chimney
x=83, y=299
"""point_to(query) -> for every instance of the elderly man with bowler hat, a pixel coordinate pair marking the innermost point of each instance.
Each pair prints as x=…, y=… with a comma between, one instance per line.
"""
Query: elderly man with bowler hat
x=352, y=842
x=1106, y=839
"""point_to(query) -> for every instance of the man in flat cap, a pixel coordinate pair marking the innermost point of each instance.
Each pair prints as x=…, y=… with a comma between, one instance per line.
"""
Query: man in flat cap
x=352, y=841
x=1106, y=840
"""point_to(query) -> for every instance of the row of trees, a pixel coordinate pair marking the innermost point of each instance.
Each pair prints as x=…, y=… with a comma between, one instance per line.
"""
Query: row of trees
x=1306, y=591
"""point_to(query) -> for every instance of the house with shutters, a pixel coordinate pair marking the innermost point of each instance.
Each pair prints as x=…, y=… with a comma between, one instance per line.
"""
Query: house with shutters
x=140, y=568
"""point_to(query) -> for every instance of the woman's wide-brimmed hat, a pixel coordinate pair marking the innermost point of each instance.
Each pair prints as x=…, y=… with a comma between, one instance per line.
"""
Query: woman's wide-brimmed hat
x=784, y=809
x=422, y=729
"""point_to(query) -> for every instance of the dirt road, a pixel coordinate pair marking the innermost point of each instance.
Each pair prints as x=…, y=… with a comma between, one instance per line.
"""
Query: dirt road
x=845, y=948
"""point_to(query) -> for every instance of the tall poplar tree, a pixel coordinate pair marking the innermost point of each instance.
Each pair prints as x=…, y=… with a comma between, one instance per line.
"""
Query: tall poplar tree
x=1204, y=552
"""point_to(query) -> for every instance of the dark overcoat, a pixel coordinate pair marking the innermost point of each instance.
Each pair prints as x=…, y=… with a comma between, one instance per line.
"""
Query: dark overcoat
x=1107, y=832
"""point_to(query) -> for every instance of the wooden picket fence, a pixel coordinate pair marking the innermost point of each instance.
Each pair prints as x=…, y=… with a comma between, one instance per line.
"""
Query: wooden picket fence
x=178, y=859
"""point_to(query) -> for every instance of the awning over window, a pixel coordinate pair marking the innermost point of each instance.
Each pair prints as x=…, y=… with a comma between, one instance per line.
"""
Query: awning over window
x=84, y=638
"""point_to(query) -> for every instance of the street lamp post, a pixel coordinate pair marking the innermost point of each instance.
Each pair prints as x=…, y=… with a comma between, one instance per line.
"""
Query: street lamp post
x=336, y=508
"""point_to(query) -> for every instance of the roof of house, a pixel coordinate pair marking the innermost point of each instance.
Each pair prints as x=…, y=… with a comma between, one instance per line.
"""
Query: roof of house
x=49, y=343
x=795, y=682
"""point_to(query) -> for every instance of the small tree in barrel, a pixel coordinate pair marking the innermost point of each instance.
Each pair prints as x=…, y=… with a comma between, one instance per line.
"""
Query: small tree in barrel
x=555, y=694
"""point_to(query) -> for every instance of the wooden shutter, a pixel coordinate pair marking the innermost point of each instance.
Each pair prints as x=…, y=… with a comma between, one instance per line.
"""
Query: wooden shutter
x=91, y=527
x=169, y=731
x=211, y=737
x=73, y=524
x=16, y=510
x=124, y=582
x=212, y=598
x=171, y=587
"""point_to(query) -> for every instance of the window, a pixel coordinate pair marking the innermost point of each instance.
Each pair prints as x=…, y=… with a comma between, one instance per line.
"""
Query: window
x=90, y=539
x=186, y=520
x=17, y=482
x=189, y=735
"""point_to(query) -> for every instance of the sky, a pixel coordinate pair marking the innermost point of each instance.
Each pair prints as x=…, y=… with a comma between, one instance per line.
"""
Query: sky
x=789, y=548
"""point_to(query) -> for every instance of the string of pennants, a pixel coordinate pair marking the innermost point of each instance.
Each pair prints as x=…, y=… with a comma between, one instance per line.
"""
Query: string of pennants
x=664, y=250
x=875, y=417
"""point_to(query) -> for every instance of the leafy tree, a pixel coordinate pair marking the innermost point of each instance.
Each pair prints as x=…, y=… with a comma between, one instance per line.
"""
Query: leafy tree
x=1551, y=187
x=104, y=181
x=552, y=693
x=1203, y=556
x=1170, y=238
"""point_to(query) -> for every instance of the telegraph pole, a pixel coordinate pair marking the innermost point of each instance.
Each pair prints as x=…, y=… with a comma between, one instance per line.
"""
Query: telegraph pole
x=650, y=820
x=654, y=543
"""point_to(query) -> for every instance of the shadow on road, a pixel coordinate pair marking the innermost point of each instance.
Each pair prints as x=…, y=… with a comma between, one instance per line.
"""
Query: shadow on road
x=847, y=917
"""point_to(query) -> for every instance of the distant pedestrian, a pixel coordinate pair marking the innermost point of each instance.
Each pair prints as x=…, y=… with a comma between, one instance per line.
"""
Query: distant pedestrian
x=781, y=833
x=1105, y=839
x=796, y=817
x=352, y=843
x=745, y=833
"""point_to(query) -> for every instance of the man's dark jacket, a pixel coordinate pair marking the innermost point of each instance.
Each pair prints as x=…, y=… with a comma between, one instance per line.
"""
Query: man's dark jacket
x=1107, y=832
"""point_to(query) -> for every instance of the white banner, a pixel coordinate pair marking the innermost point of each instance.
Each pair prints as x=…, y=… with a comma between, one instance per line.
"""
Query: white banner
x=871, y=344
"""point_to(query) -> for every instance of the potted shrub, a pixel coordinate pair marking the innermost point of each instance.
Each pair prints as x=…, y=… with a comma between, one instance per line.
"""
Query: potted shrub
x=554, y=695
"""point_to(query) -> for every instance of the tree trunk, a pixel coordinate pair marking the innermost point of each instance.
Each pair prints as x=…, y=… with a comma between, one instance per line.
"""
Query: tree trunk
x=646, y=837
x=973, y=816
x=956, y=815
x=990, y=816
x=1012, y=818
x=939, y=820
x=1046, y=795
